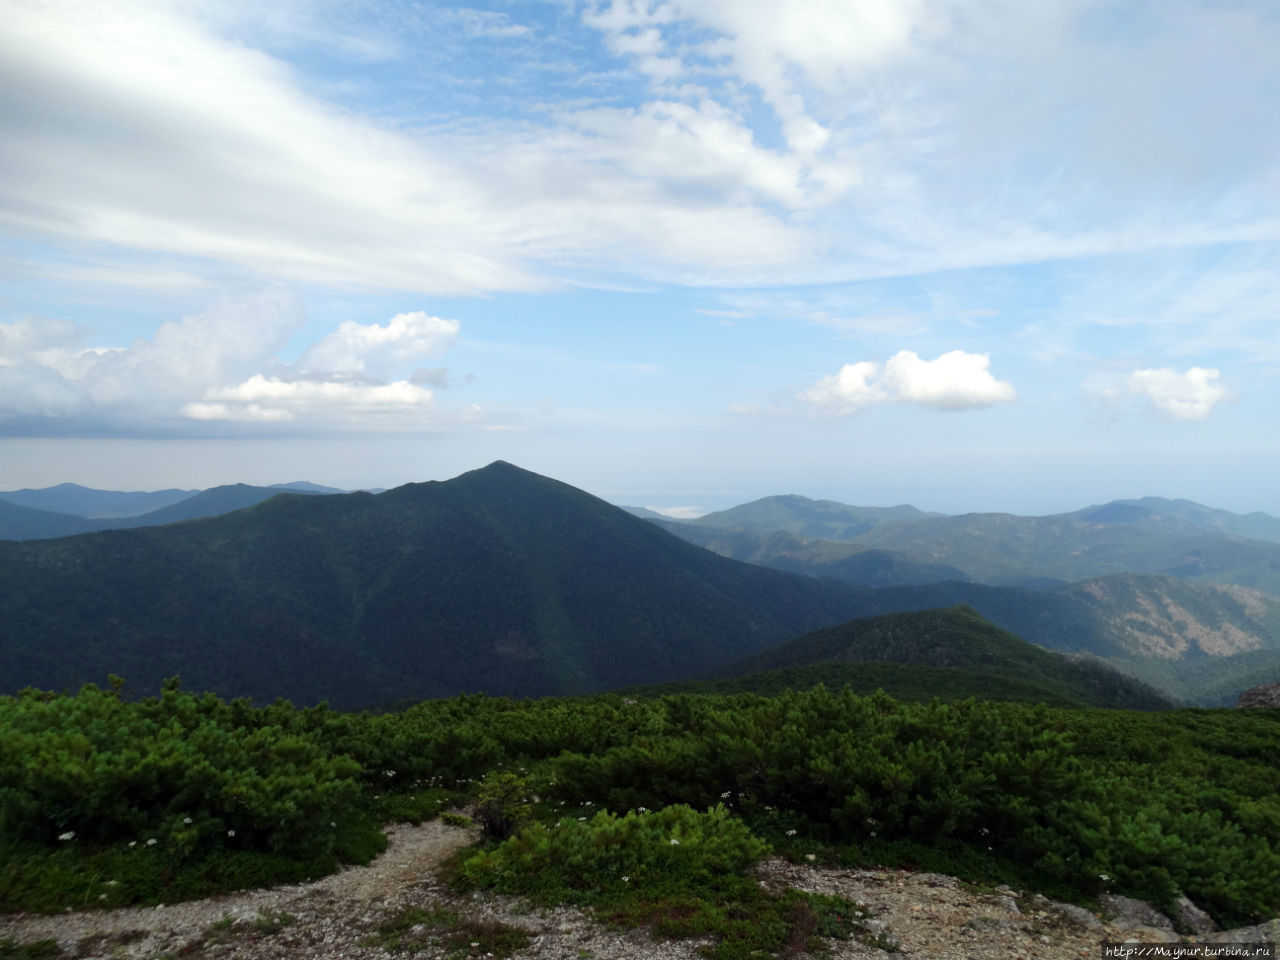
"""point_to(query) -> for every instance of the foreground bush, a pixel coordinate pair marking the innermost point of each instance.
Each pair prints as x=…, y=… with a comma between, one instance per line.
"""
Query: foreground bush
x=180, y=795
x=681, y=871
x=165, y=798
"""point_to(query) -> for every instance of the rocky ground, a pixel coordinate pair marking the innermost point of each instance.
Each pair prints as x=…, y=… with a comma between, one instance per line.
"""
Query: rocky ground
x=351, y=915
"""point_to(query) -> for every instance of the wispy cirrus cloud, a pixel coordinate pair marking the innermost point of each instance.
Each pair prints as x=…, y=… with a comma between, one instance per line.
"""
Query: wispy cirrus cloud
x=774, y=144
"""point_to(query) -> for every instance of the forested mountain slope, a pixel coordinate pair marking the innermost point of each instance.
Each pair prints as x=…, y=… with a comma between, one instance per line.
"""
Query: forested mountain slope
x=499, y=581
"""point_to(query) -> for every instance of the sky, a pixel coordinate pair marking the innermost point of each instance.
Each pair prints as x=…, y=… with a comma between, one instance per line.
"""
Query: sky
x=965, y=254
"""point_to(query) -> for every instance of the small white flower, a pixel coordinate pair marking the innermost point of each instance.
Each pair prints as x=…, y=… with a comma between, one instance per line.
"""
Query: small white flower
x=588, y=803
x=231, y=833
x=726, y=795
x=642, y=809
x=69, y=835
x=186, y=819
x=675, y=842
x=791, y=832
x=1103, y=877
x=133, y=843
x=626, y=879
x=152, y=842
x=811, y=856
x=580, y=819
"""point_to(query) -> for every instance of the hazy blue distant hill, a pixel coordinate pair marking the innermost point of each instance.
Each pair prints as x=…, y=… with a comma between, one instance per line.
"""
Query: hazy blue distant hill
x=88, y=502
x=27, y=523
x=216, y=501
x=1182, y=518
x=499, y=581
x=40, y=525
x=845, y=560
x=1151, y=536
x=823, y=519
x=304, y=486
x=952, y=653
x=1003, y=548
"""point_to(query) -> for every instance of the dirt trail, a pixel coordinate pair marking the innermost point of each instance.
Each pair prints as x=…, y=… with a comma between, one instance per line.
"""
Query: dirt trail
x=410, y=858
x=337, y=918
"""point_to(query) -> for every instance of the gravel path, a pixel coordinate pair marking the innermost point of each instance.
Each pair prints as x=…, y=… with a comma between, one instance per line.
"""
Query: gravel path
x=915, y=915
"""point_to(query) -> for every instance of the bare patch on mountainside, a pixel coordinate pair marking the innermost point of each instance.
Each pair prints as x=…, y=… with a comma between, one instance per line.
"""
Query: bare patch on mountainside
x=1151, y=621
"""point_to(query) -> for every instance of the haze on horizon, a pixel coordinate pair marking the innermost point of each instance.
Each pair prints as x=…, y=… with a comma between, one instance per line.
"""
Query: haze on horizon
x=966, y=255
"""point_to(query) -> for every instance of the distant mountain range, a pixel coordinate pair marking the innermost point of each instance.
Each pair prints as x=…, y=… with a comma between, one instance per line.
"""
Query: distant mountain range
x=69, y=509
x=94, y=504
x=502, y=581
x=814, y=519
x=1152, y=535
x=498, y=581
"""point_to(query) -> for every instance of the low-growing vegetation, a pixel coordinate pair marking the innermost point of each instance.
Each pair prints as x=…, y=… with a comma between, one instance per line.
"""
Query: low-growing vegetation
x=678, y=871
x=447, y=933
x=646, y=810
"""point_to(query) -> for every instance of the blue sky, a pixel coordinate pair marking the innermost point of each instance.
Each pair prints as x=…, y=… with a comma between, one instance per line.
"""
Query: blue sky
x=978, y=255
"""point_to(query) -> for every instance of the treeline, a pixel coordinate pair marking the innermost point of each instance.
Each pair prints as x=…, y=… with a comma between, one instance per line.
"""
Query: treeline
x=104, y=801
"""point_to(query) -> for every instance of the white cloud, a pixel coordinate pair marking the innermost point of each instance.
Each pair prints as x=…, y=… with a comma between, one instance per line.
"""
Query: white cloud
x=222, y=365
x=848, y=391
x=703, y=145
x=24, y=337
x=775, y=143
x=1182, y=396
x=487, y=23
x=271, y=398
x=357, y=348
x=953, y=381
x=131, y=125
x=229, y=341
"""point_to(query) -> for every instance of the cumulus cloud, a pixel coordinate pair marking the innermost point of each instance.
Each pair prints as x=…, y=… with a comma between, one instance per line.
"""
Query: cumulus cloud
x=222, y=365
x=1182, y=396
x=848, y=391
x=47, y=372
x=358, y=348
x=263, y=398
x=953, y=381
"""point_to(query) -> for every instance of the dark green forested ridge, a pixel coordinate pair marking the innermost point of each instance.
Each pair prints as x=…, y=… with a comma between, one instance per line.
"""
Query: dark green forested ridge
x=182, y=794
x=953, y=653
x=499, y=581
